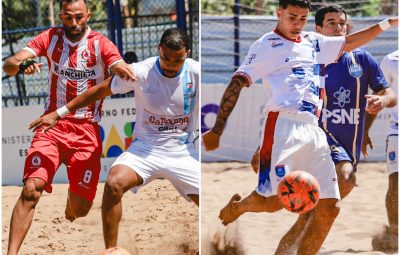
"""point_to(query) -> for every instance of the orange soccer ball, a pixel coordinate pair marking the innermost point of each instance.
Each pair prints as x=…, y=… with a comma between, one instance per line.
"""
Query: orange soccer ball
x=115, y=251
x=298, y=192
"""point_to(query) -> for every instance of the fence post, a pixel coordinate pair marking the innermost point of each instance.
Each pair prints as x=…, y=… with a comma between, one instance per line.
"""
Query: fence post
x=236, y=10
x=181, y=14
x=118, y=23
x=111, y=19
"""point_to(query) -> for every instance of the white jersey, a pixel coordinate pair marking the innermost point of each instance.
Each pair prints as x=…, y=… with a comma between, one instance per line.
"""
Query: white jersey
x=389, y=66
x=166, y=108
x=293, y=72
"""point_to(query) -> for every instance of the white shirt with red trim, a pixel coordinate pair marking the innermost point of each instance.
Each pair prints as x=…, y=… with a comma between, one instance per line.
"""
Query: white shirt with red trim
x=293, y=72
x=74, y=67
x=166, y=108
x=389, y=66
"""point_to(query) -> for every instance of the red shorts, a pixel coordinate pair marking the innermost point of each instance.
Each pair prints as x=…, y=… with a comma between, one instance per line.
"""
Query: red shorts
x=75, y=143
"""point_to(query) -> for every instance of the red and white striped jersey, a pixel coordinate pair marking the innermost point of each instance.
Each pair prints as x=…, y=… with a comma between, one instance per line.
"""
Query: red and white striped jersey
x=74, y=67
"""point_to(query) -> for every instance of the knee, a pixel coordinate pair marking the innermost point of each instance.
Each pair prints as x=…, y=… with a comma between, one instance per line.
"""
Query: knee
x=31, y=192
x=113, y=188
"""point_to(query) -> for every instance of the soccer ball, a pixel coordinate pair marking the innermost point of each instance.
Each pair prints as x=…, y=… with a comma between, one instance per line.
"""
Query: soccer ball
x=298, y=192
x=115, y=251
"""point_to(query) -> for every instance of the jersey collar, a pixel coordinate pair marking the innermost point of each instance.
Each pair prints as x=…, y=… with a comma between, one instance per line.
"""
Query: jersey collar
x=297, y=40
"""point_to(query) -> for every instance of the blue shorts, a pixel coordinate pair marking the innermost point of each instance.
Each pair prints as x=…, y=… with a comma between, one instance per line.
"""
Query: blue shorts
x=338, y=152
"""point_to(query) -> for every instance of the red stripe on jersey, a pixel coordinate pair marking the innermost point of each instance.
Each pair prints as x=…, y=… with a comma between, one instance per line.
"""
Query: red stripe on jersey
x=266, y=149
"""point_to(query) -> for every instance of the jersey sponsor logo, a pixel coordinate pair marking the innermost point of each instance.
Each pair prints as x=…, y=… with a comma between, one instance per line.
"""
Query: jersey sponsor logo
x=166, y=124
x=274, y=39
x=74, y=74
x=276, y=45
x=342, y=96
x=280, y=170
x=341, y=116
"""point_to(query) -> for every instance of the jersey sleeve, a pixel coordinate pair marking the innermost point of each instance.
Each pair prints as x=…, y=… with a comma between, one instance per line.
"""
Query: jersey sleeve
x=109, y=52
x=376, y=79
x=329, y=48
x=120, y=86
x=385, y=68
x=257, y=64
x=39, y=44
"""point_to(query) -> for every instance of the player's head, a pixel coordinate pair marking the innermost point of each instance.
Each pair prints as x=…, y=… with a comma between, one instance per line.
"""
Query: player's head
x=74, y=15
x=292, y=17
x=173, y=50
x=331, y=20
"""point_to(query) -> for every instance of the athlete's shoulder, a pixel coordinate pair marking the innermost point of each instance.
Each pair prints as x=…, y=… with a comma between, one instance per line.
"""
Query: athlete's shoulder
x=96, y=35
x=52, y=31
x=193, y=65
x=393, y=56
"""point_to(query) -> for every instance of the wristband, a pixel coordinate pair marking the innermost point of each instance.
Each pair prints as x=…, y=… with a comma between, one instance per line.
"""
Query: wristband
x=62, y=111
x=384, y=24
x=25, y=64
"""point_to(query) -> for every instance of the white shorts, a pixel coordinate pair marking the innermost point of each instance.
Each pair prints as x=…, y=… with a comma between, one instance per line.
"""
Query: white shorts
x=180, y=165
x=391, y=153
x=290, y=143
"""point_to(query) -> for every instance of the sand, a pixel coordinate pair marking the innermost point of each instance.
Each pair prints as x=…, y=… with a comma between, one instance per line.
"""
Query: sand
x=157, y=220
x=362, y=213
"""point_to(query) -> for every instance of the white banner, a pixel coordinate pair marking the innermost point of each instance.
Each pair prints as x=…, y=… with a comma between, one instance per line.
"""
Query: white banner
x=243, y=129
x=118, y=119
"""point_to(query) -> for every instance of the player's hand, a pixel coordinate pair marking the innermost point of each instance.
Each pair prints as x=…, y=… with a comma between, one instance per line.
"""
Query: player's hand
x=255, y=160
x=124, y=71
x=365, y=143
x=375, y=103
x=211, y=140
x=29, y=66
x=49, y=120
x=33, y=68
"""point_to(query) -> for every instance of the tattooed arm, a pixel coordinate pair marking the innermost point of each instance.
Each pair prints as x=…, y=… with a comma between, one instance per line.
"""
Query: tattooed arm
x=228, y=102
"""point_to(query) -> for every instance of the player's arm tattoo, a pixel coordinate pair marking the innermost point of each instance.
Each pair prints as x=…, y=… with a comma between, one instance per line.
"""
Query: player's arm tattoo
x=228, y=102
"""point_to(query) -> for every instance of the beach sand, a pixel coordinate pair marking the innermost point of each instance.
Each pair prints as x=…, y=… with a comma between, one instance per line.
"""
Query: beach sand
x=157, y=220
x=362, y=213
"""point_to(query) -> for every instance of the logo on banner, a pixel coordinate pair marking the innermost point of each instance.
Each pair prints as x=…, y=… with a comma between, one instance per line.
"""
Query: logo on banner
x=206, y=110
x=116, y=143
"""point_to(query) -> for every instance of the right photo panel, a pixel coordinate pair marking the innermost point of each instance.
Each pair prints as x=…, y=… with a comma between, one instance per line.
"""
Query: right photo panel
x=299, y=124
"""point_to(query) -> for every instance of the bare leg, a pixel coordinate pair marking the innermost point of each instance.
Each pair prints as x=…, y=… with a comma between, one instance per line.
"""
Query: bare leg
x=76, y=207
x=346, y=177
x=252, y=203
x=294, y=233
x=195, y=198
x=120, y=179
x=22, y=215
x=392, y=202
x=325, y=214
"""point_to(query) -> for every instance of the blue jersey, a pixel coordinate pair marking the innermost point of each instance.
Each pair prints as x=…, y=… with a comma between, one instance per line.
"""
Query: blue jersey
x=347, y=84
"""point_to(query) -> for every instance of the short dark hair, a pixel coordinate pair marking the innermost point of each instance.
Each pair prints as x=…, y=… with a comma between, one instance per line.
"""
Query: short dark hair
x=175, y=39
x=70, y=1
x=300, y=3
x=320, y=14
x=130, y=57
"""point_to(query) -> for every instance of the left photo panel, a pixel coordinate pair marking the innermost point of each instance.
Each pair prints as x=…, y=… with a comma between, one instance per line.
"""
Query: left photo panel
x=100, y=127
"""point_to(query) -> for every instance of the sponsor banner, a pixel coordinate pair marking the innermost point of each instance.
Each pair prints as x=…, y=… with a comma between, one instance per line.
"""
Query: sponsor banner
x=116, y=128
x=243, y=129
